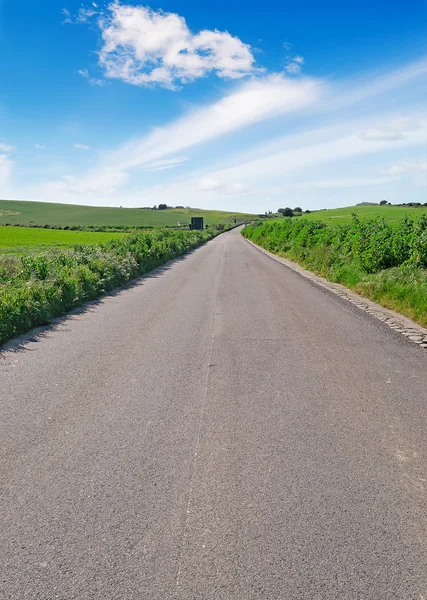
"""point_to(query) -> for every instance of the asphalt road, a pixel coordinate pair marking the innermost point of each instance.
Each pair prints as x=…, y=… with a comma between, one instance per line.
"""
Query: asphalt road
x=224, y=429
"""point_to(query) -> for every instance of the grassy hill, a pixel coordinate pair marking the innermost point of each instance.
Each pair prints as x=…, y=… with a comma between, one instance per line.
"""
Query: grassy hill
x=343, y=215
x=46, y=213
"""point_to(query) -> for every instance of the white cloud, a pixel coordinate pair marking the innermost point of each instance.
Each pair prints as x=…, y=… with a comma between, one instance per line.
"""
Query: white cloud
x=91, y=80
x=293, y=68
x=316, y=162
x=168, y=163
x=214, y=185
x=418, y=166
x=396, y=170
x=142, y=46
x=251, y=103
x=6, y=147
x=294, y=63
x=83, y=15
x=381, y=135
x=303, y=151
x=396, y=130
x=40, y=146
x=67, y=16
x=81, y=147
x=105, y=181
x=349, y=92
x=99, y=82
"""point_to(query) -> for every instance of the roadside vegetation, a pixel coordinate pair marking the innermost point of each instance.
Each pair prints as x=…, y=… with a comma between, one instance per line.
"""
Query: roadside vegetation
x=35, y=288
x=386, y=262
x=27, y=240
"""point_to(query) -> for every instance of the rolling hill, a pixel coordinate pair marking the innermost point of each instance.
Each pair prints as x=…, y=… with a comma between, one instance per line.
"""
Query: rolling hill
x=46, y=213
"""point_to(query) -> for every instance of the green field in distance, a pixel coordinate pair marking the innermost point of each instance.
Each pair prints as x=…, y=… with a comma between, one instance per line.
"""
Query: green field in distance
x=46, y=213
x=338, y=216
x=26, y=240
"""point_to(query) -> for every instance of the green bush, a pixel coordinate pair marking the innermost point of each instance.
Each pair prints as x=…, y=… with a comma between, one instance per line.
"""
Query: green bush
x=35, y=289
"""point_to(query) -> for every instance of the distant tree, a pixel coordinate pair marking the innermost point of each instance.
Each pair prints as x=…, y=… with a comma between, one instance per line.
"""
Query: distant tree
x=307, y=212
x=383, y=202
x=162, y=206
x=287, y=212
x=297, y=209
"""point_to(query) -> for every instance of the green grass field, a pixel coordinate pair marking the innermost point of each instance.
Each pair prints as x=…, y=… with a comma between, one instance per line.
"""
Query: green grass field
x=392, y=214
x=45, y=213
x=27, y=240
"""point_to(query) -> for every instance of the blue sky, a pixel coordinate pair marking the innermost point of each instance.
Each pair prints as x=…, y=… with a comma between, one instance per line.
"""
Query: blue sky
x=219, y=105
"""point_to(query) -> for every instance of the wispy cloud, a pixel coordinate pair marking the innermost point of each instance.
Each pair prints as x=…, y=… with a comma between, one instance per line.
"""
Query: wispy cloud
x=360, y=89
x=318, y=147
x=253, y=102
x=293, y=64
x=168, y=163
x=83, y=15
x=403, y=168
x=40, y=146
x=214, y=185
x=81, y=147
x=291, y=156
x=6, y=147
x=91, y=80
x=390, y=132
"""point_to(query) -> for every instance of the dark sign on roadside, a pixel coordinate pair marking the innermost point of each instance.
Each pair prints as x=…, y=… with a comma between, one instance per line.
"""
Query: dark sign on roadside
x=196, y=223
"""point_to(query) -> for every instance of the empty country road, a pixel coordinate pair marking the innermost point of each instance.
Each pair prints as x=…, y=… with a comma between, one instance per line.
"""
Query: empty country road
x=223, y=429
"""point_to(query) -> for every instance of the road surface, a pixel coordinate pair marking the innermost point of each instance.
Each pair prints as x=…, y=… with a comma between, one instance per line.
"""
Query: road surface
x=224, y=429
